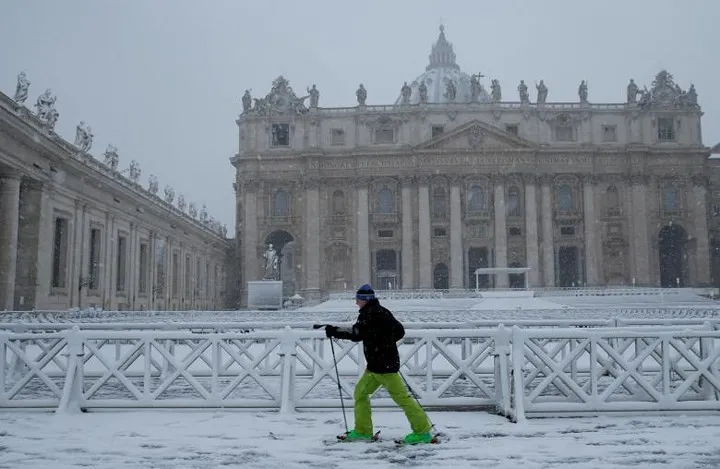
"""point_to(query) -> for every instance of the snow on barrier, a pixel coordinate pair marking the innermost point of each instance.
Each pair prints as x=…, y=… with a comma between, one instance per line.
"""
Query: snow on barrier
x=520, y=372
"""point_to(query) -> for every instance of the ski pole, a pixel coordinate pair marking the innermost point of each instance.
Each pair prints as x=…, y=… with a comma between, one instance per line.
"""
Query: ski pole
x=337, y=374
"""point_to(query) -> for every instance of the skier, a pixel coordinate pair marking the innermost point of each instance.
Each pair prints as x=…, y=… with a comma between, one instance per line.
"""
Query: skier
x=379, y=332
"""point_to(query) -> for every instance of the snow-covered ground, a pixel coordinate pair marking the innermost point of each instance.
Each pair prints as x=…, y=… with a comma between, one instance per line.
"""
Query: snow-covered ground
x=263, y=439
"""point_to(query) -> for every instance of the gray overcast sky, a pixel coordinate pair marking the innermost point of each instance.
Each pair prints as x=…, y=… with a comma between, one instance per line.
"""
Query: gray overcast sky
x=162, y=79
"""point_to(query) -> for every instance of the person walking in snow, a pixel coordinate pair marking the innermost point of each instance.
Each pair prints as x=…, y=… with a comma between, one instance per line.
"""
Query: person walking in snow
x=379, y=331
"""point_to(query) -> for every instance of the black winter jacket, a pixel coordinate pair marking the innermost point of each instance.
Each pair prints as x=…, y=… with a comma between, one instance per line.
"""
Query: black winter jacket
x=379, y=332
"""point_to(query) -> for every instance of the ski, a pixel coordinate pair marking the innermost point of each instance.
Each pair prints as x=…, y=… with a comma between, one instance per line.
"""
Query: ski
x=434, y=441
x=343, y=439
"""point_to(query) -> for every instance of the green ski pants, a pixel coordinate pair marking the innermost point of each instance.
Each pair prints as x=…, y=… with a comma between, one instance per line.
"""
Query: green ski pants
x=368, y=383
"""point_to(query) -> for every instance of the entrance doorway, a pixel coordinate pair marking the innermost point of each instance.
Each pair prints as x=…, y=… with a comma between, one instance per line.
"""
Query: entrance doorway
x=478, y=258
x=672, y=239
x=441, y=277
x=568, y=272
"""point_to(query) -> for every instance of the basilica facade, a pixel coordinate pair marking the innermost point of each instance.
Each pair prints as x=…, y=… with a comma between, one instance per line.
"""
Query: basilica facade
x=79, y=232
x=454, y=176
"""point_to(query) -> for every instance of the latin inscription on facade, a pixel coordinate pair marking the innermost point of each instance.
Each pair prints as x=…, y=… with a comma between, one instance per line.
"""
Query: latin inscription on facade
x=451, y=160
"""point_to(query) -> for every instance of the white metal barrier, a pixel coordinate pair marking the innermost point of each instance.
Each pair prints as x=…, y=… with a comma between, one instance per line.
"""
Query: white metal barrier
x=579, y=372
x=74, y=369
x=522, y=372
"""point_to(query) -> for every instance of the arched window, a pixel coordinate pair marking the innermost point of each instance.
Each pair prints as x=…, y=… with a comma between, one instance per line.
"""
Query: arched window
x=670, y=199
x=565, y=198
x=385, y=201
x=612, y=198
x=281, y=204
x=513, y=202
x=338, y=203
x=476, y=200
x=439, y=207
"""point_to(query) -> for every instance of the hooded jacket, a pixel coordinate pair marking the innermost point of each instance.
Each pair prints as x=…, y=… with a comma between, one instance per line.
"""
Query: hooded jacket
x=379, y=331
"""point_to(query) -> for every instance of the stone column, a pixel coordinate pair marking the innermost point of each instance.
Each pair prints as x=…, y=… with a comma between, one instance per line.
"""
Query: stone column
x=408, y=251
x=9, y=221
x=592, y=227
x=424, y=247
x=500, y=231
x=250, y=236
x=363, y=234
x=639, y=238
x=531, y=232
x=312, y=238
x=702, y=277
x=132, y=267
x=548, y=248
x=456, y=248
x=46, y=238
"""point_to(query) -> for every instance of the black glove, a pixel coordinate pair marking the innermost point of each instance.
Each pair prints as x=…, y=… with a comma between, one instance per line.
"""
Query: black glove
x=330, y=331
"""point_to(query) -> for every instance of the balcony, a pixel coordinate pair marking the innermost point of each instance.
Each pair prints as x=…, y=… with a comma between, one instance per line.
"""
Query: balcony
x=385, y=218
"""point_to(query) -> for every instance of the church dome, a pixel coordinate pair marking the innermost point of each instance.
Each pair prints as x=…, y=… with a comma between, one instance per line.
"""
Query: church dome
x=441, y=70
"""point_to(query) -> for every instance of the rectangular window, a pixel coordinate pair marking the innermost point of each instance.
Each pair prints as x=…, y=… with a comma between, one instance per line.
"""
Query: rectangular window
x=515, y=231
x=144, y=269
x=121, y=263
x=60, y=253
x=437, y=130
x=439, y=232
x=609, y=133
x=384, y=136
x=512, y=129
x=666, y=129
x=385, y=233
x=281, y=135
x=567, y=230
x=337, y=137
x=175, y=274
x=93, y=281
x=564, y=133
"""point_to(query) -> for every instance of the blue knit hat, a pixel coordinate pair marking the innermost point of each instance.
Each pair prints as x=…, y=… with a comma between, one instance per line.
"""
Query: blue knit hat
x=365, y=293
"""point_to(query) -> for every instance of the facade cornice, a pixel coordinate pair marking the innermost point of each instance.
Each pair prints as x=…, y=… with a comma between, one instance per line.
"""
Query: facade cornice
x=24, y=126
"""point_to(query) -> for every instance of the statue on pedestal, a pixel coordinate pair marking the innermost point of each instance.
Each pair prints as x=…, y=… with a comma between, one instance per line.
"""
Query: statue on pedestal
x=405, y=91
x=112, y=159
x=583, y=92
x=314, y=96
x=247, y=101
x=632, y=92
x=21, y=91
x=271, y=264
x=523, y=91
x=496, y=90
x=423, y=91
x=153, y=184
x=361, y=95
x=542, y=92
x=83, y=137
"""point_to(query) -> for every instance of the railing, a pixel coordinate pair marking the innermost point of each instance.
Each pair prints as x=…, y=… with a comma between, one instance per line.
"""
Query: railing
x=286, y=369
x=580, y=372
x=522, y=373
x=422, y=314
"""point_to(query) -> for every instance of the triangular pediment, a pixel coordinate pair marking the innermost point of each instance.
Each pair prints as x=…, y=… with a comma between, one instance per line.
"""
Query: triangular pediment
x=476, y=135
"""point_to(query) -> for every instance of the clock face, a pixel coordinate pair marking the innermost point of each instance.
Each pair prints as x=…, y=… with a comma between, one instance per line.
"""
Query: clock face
x=281, y=102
